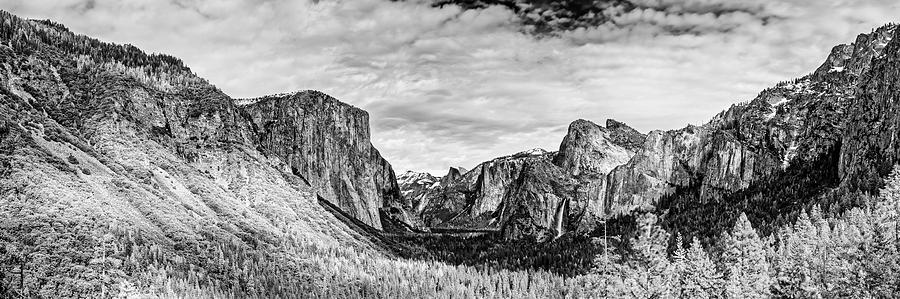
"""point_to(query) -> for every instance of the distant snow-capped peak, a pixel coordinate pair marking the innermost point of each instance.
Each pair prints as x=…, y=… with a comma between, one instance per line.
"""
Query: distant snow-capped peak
x=416, y=178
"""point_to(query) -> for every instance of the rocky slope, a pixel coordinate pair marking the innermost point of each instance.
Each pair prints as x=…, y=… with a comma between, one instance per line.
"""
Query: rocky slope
x=824, y=139
x=104, y=146
x=792, y=123
x=532, y=193
x=869, y=146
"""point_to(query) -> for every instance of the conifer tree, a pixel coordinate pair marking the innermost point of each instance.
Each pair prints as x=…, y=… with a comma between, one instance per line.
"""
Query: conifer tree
x=679, y=264
x=881, y=254
x=699, y=278
x=887, y=208
x=798, y=255
x=653, y=276
x=745, y=262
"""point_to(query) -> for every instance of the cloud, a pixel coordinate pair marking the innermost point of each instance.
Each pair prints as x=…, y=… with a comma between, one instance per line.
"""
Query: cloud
x=448, y=86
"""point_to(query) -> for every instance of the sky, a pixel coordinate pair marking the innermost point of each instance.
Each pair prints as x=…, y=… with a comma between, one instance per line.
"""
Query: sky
x=452, y=86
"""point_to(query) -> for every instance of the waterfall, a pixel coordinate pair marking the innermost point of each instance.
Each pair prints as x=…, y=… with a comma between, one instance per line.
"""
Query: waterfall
x=560, y=217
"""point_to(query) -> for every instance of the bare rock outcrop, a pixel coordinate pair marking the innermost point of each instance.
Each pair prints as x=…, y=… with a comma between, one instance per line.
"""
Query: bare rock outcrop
x=590, y=148
x=870, y=146
x=473, y=199
x=541, y=203
x=327, y=143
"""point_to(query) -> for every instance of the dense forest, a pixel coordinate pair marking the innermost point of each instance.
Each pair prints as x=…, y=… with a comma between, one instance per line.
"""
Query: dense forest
x=856, y=255
x=852, y=256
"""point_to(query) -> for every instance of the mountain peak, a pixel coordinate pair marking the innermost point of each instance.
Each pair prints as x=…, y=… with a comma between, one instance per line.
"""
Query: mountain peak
x=590, y=147
x=582, y=124
x=855, y=58
x=412, y=177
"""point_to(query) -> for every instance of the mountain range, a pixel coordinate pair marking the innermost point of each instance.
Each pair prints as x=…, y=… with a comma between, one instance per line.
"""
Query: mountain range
x=119, y=165
x=800, y=143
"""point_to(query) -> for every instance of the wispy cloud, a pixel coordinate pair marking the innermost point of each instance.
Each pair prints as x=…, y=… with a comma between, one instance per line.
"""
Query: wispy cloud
x=447, y=86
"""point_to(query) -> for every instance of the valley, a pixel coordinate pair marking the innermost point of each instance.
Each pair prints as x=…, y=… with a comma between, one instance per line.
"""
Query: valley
x=125, y=174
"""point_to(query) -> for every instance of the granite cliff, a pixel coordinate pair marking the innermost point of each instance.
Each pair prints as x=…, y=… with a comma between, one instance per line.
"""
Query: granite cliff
x=531, y=193
x=869, y=145
x=327, y=144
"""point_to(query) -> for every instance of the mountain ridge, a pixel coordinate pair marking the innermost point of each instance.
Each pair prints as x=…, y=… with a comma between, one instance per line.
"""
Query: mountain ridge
x=793, y=124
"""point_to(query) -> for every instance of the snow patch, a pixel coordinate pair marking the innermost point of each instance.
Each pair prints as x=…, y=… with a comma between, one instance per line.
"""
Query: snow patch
x=416, y=178
x=774, y=105
x=533, y=152
x=798, y=86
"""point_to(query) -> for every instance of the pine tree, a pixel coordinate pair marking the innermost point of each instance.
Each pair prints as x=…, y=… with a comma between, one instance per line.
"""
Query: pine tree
x=881, y=254
x=821, y=254
x=745, y=262
x=887, y=207
x=606, y=278
x=702, y=270
x=698, y=278
x=652, y=275
x=798, y=257
x=679, y=264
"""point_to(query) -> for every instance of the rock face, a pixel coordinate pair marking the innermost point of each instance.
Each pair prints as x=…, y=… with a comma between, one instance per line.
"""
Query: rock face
x=543, y=203
x=870, y=145
x=588, y=153
x=793, y=122
x=532, y=193
x=327, y=144
x=474, y=198
x=416, y=186
x=589, y=148
x=713, y=159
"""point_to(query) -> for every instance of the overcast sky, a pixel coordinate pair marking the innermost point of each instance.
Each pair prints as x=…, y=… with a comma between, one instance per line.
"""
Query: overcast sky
x=453, y=87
